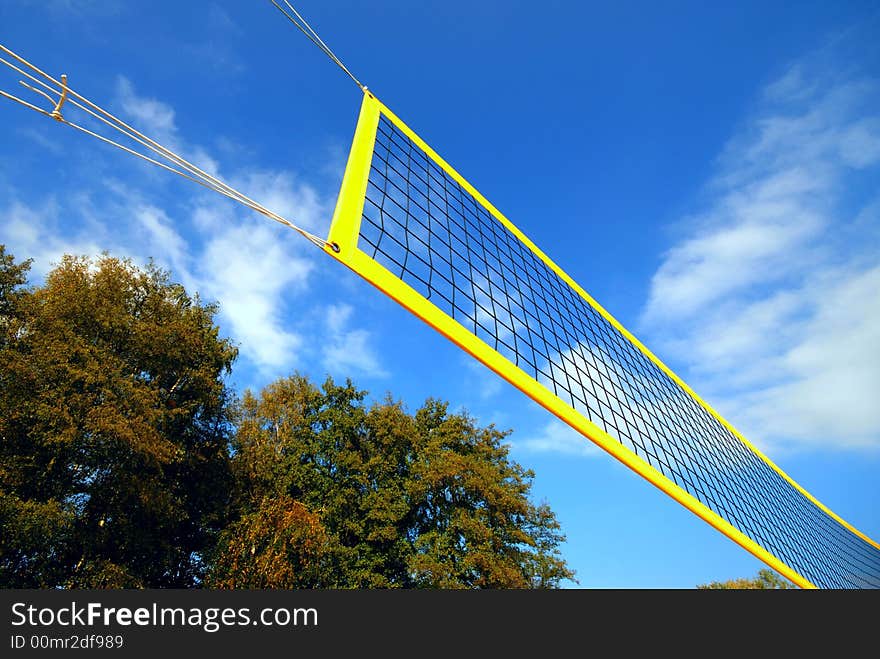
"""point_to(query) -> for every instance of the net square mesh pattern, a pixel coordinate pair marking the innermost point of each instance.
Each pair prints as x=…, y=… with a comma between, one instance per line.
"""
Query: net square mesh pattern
x=425, y=228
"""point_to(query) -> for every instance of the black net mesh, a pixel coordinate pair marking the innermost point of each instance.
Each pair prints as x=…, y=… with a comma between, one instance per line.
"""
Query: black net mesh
x=428, y=230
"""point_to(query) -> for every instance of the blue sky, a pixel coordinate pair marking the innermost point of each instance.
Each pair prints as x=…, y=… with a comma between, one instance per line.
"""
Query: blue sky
x=709, y=174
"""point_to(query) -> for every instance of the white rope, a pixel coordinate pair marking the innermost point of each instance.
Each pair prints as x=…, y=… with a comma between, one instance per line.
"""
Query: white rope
x=303, y=26
x=208, y=181
x=189, y=171
x=24, y=103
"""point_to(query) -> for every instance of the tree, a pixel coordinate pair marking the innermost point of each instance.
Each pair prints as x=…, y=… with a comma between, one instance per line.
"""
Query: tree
x=114, y=427
x=281, y=544
x=765, y=580
x=121, y=464
x=333, y=493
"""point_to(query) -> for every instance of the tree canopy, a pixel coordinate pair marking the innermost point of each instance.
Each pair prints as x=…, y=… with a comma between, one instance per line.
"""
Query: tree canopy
x=114, y=426
x=386, y=498
x=127, y=461
x=765, y=580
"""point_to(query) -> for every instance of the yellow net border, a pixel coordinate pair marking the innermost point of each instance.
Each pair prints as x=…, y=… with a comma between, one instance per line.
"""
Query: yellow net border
x=725, y=480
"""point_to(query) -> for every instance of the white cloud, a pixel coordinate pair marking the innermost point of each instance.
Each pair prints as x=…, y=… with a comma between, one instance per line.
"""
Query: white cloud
x=771, y=297
x=251, y=267
x=256, y=269
x=162, y=238
x=156, y=120
x=753, y=235
x=252, y=273
x=41, y=137
x=37, y=233
x=557, y=437
x=487, y=383
x=63, y=9
x=280, y=192
x=823, y=387
x=217, y=52
x=345, y=350
x=154, y=117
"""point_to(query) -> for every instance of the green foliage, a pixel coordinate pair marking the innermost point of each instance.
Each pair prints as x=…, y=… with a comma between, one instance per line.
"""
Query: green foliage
x=13, y=277
x=113, y=427
x=36, y=542
x=392, y=499
x=281, y=544
x=765, y=580
x=125, y=463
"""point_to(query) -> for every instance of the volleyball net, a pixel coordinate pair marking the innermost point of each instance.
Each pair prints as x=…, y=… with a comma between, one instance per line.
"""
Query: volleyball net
x=412, y=226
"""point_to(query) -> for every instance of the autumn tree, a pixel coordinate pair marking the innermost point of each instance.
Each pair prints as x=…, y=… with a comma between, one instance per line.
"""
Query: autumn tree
x=335, y=493
x=278, y=544
x=121, y=466
x=765, y=580
x=114, y=464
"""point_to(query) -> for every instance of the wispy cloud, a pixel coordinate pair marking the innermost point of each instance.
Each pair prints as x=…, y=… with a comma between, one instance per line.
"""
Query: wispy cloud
x=156, y=119
x=214, y=52
x=486, y=383
x=162, y=237
x=283, y=194
x=37, y=232
x=557, y=437
x=771, y=296
x=348, y=350
x=248, y=269
x=40, y=137
x=79, y=8
x=257, y=270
